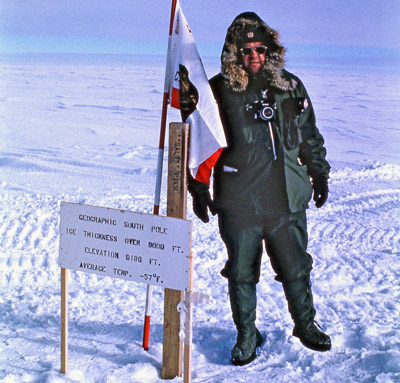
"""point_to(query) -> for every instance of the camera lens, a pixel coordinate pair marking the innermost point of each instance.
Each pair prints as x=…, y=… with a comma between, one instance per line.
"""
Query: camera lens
x=266, y=113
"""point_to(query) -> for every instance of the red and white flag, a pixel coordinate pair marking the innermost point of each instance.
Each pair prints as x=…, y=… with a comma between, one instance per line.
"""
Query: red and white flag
x=207, y=137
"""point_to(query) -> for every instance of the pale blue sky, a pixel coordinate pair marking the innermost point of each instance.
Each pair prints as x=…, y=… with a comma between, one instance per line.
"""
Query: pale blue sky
x=140, y=26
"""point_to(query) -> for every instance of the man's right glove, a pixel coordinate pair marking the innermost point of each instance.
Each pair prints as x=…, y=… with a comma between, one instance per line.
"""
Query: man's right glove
x=201, y=203
x=201, y=199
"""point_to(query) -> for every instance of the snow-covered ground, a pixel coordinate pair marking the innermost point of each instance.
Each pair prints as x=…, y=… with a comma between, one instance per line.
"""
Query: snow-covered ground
x=85, y=129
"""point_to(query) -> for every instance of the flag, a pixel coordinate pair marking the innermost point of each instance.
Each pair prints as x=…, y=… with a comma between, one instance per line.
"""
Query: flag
x=207, y=137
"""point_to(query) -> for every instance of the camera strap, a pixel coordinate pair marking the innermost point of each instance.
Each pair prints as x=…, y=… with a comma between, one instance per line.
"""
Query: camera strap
x=271, y=133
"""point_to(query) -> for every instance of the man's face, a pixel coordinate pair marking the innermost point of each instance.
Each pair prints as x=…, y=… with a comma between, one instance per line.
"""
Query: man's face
x=254, y=61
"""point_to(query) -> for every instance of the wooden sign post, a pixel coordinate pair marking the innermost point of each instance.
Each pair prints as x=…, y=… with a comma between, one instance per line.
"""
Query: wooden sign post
x=140, y=247
x=176, y=207
x=64, y=321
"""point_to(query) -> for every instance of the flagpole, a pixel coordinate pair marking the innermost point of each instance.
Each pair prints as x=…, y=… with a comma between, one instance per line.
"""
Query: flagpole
x=157, y=194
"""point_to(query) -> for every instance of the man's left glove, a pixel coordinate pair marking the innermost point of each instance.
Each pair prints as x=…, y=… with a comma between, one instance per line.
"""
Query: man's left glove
x=321, y=190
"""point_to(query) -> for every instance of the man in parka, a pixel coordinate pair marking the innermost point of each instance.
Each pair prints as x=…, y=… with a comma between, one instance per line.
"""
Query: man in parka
x=262, y=181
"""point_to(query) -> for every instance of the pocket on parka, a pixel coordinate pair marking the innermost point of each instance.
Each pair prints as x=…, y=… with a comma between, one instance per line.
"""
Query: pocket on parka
x=298, y=183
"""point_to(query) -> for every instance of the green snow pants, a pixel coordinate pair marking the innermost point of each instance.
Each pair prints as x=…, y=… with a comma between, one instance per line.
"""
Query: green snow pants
x=285, y=241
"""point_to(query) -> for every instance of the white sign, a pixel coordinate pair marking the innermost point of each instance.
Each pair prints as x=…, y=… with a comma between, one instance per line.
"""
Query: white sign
x=140, y=247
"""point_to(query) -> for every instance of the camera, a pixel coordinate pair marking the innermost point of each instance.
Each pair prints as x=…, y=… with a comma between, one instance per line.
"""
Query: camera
x=262, y=109
x=293, y=107
x=265, y=111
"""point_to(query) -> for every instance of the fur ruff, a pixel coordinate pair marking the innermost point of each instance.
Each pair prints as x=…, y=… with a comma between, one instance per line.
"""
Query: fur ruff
x=231, y=67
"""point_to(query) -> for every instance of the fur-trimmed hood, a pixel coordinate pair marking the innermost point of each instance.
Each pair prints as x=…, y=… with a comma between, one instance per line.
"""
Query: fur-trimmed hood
x=231, y=67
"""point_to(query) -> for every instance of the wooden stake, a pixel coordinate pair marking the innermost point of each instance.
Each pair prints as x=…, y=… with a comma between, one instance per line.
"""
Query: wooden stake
x=187, y=357
x=177, y=169
x=64, y=321
x=176, y=207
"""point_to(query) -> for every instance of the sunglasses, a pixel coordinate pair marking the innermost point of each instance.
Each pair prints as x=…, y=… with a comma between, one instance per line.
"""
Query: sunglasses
x=247, y=50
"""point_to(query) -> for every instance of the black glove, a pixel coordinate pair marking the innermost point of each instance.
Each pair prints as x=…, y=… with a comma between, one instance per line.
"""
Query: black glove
x=201, y=203
x=321, y=190
x=201, y=198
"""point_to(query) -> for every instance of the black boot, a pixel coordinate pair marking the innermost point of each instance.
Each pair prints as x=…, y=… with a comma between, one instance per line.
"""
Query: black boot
x=312, y=337
x=301, y=307
x=243, y=301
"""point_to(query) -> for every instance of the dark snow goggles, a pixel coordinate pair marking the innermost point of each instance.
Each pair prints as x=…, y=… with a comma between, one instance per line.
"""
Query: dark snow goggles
x=247, y=50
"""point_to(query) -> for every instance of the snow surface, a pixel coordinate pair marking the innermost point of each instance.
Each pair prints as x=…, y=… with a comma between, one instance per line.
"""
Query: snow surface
x=85, y=129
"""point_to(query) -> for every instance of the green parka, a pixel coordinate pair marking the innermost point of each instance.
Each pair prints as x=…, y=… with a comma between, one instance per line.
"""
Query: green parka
x=247, y=179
